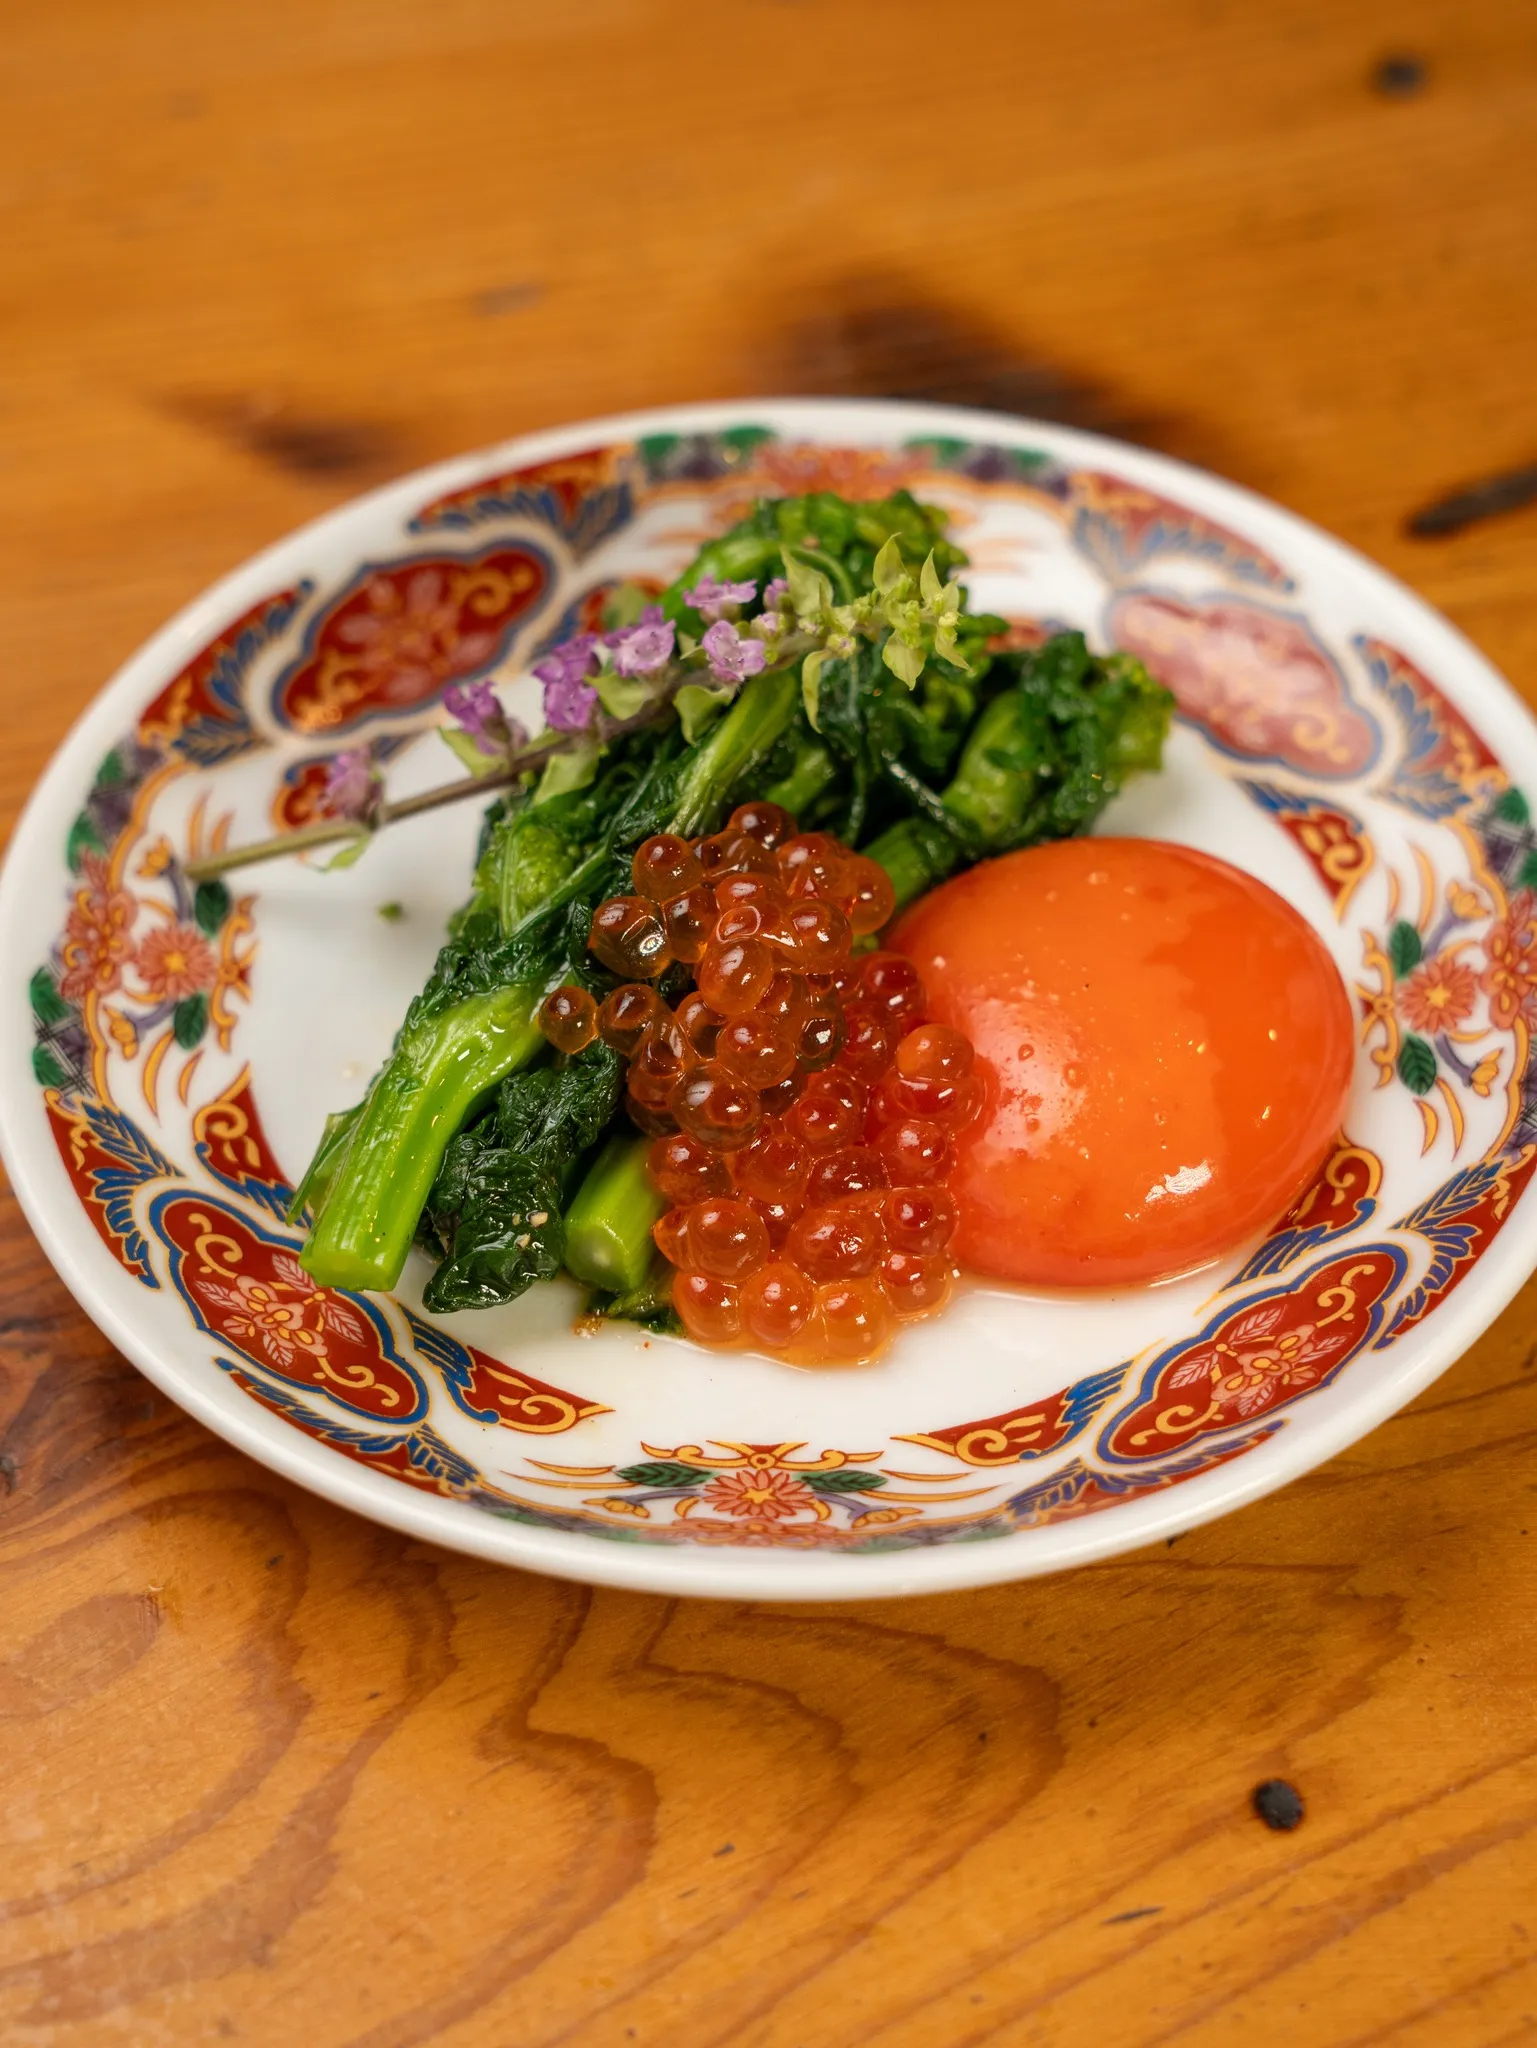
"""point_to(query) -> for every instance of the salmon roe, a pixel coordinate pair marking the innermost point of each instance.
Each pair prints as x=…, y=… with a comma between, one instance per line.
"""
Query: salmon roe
x=803, y=1112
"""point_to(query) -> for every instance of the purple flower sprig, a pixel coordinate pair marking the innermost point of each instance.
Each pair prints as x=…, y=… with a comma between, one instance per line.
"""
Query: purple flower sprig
x=477, y=711
x=570, y=701
x=354, y=787
x=713, y=599
x=643, y=648
x=732, y=657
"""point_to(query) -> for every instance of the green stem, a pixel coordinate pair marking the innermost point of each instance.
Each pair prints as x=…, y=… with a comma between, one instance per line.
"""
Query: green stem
x=436, y=1076
x=987, y=797
x=741, y=739
x=608, y=1225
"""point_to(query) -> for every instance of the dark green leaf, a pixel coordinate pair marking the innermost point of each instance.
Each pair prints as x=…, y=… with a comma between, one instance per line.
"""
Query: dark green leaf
x=48, y=1006
x=210, y=906
x=83, y=839
x=1404, y=948
x=503, y=1232
x=843, y=1481
x=189, y=1020
x=46, y=1068
x=1416, y=1064
x=662, y=1473
x=550, y=1114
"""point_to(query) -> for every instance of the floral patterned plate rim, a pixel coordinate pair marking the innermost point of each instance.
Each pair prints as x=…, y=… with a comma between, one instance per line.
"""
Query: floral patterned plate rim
x=1334, y=735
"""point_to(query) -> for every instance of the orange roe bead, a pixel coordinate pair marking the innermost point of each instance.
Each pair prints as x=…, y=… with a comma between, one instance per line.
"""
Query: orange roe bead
x=786, y=997
x=919, y=1219
x=952, y=1103
x=820, y=1041
x=855, y=1320
x=758, y=1050
x=665, y=866
x=688, y=921
x=684, y=1170
x=777, y=1303
x=707, y=1308
x=934, y=1053
x=915, y=1151
x=727, y=1238
x=819, y=933
x=830, y=1112
x=846, y=1171
x=628, y=937
x=732, y=977
x=866, y=896
x=840, y=1242
x=777, y=1100
x=735, y=890
x=715, y=1107
x=733, y=853
x=669, y=1234
x=661, y=1058
x=568, y=1017
x=811, y=865
x=892, y=985
x=773, y=1167
x=624, y=1015
x=868, y=1042
x=916, y=1283
x=768, y=823
x=699, y=1024
x=777, y=1219
x=740, y=921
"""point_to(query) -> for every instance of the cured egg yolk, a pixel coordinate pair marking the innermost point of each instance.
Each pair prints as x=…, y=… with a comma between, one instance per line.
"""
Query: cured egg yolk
x=1167, y=1049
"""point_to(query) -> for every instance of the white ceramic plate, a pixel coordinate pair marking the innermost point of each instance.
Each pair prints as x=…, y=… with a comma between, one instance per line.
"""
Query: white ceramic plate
x=1336, y=737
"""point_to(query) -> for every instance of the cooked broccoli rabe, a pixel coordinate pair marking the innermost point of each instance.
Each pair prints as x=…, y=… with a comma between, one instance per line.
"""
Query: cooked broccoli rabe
x=903, y=734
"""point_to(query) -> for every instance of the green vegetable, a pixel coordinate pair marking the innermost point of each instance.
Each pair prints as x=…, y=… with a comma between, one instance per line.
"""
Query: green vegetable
x=608, y=1226
x=898, y=729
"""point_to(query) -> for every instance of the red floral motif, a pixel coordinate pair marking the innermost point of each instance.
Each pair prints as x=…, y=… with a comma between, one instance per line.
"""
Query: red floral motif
x=1260, y=1356
x=97, y=941
x=1121, y=525
x=204, y=697
x=401, y=634
x=1446, y=762
x=571, y=478
x=765, y=1496
x=1439, y=995
x=301, y=797
x=229, y=1139
x=1027, y=1432
x=1509, y=979
x=1256, y=679
x=251, y=1293
x=86, y=1160
x=175, y=961
x=1335, y=844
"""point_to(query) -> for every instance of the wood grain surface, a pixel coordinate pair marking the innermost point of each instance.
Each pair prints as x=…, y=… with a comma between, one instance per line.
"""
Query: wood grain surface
x=271, y=1775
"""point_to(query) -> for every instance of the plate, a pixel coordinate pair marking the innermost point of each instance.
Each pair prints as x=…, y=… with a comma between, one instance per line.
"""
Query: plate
x=169, y=1053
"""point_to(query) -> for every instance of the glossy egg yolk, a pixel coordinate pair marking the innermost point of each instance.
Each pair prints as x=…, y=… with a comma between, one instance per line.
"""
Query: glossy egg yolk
x=1167, y=1048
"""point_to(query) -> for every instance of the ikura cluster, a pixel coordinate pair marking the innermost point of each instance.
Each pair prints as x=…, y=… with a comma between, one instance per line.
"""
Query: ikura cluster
x=803, y=1114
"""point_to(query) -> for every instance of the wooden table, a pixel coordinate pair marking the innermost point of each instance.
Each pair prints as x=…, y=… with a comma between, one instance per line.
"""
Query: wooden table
x=273, y=1775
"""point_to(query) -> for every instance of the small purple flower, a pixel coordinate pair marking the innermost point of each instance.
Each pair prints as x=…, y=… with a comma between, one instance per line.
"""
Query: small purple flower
x=351, y=783
x=775, y=592
x=475, y=709
x=711, y=597
x=644, y=649
x=732, y=659
x=569, y=701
